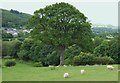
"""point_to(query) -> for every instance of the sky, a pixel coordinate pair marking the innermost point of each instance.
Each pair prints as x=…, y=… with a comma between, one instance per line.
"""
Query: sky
x=97, y=11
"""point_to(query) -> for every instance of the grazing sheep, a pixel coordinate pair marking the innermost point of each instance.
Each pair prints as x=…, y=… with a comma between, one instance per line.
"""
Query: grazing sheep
x=52, y=67
x=57, y=66
x=65, y=66
x=96, y=65
x=66, y=75
x=82, y=71
x=110, y=67
x=87, y=65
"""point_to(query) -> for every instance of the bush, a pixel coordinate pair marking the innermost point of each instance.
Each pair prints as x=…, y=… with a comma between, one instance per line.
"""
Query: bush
x=38, y=64
x=84, y=59
x=76, y=61
x=72, y=51
x=10, y=48
x=23, y=55
x=10, y=63
x=68, y=61
x=104, y=60
x=24, y=52
x=53, y=58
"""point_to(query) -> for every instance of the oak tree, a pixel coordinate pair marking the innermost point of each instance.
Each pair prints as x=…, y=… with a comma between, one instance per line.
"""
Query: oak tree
x=61, y=25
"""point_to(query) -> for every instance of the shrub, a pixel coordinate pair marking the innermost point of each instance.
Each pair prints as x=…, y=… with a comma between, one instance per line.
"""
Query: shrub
x=68, y=61
x=10, y=63
x=76, y=60
x=10, y=48
x=39, y=52
x=84, y=59
x=53, y=58
x=72, y=51
x=23, y=55
x=104, y=60
x=24, y=52
x=38, y=64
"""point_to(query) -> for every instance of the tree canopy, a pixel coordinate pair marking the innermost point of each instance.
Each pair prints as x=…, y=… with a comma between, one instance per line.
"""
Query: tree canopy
x=61, y=25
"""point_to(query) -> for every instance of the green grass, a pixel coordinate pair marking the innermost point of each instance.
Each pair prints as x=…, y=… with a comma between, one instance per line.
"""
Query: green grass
x=0, y=71
x=24, y=72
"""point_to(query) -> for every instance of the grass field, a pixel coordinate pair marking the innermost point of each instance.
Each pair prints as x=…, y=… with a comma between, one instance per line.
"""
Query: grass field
x=0, y=71
x=24, y=72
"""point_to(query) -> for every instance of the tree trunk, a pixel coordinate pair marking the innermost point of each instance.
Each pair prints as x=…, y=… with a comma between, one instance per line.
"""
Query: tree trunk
x=61, y=54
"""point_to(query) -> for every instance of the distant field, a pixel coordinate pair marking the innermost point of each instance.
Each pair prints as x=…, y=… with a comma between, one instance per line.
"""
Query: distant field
x=24, y=72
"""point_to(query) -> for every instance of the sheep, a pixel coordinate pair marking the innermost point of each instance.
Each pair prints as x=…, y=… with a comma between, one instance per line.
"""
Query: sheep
x=65, y=65
x=52, y=67
x=110, y=67
x=57, y=66
x=82, y=71
x=66, y=75
x=96, y=65
x=87, y=65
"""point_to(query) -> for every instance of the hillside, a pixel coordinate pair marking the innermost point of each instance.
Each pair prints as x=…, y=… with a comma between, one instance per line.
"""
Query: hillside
x=104, y=30
x=14, y=19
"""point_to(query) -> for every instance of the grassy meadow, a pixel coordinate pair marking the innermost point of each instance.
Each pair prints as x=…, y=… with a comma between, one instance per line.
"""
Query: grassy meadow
x=25, y=72
x=0, y=70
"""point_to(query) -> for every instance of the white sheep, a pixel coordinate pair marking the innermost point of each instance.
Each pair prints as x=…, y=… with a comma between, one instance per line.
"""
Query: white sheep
x=110, y=67
x=82, y=71
x=66, y=75
x=58, y=66
x=65, y=65
x=87, y=65
x=52, y=67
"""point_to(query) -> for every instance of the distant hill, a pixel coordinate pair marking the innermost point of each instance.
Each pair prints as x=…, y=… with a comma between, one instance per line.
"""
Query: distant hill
x=14, y=19
x=104, y=26
x=101, y=28
x=104, y=30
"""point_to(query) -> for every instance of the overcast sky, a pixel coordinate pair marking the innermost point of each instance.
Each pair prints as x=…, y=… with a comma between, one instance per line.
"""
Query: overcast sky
x=102, y=12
